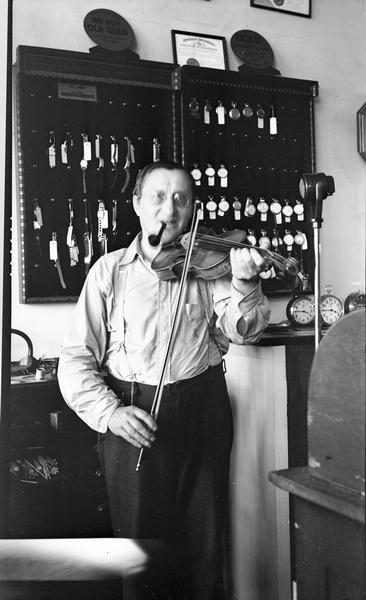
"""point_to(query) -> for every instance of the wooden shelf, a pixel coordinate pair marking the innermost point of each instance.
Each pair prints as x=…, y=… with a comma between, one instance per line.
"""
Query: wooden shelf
x=305, y=483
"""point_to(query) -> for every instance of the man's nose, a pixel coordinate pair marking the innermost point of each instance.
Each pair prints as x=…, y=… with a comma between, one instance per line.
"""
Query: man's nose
x=169, y=206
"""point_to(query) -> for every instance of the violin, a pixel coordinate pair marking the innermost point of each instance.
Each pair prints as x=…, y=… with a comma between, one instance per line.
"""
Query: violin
x=211, y=256
x=207, y=256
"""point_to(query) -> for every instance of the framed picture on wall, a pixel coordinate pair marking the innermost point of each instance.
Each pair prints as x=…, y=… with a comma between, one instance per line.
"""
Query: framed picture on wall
x=199, y=49
x=301, y=8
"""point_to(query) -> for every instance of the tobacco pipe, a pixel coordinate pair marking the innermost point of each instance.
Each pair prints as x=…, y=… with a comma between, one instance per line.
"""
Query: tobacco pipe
x=154, y=239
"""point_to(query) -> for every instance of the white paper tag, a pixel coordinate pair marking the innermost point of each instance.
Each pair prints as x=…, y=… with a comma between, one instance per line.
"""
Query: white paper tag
x=273, y=125
x=87, y=151
x=220, y=110
x=53, y=250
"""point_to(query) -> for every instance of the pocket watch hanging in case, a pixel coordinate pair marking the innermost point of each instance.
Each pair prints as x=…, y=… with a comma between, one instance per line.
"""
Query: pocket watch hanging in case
x=300, y=311
x=331, y=307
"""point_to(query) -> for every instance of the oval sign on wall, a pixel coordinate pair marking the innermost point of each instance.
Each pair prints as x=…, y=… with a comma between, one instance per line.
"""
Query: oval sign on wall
x=108, y=29
x=251, y=48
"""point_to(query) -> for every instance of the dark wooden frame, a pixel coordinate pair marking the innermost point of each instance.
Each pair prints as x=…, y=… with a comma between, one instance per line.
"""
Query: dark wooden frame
x=361, y=131
x=289, y=11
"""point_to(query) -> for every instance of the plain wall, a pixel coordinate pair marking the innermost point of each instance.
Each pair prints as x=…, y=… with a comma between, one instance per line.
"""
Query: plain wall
x=329, y=48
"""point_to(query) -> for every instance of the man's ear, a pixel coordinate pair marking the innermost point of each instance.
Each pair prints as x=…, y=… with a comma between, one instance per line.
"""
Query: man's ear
x=136, y=204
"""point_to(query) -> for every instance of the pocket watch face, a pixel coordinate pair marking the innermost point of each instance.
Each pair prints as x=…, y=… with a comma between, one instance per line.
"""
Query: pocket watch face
x=301, y=311
x=331, y=309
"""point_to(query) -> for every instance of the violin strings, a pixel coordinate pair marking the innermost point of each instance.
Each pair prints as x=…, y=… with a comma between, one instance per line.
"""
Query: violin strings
x=212, y=242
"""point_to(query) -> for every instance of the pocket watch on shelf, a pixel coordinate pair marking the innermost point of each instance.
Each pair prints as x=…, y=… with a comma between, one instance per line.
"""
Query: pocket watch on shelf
x=330, y=307
x=300, y=311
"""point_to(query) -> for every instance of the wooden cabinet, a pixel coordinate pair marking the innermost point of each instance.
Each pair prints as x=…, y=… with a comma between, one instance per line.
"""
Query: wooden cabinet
x=328, y=493
x=87, y=124
x=267, y=385
x=114, y=118
x=71, y=501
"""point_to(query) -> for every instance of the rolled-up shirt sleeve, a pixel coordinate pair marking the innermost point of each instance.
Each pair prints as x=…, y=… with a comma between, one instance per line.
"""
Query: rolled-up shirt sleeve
x=241, y=317
x=81, y=358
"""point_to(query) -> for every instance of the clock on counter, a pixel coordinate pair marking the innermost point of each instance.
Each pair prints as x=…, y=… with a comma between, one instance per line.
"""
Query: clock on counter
x=300, y=311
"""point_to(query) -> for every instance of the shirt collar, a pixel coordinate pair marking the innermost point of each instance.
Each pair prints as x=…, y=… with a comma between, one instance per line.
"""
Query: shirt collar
x=133, y=250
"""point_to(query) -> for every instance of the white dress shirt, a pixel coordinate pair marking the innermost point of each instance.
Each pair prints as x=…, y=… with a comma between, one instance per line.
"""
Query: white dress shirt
x=122, y=322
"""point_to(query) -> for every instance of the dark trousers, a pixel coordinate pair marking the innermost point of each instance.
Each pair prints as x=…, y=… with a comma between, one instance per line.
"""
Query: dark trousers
x=179, y=494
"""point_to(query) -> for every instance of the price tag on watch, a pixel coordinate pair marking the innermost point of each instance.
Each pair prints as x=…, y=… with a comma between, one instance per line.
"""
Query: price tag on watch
x=223, y=206
x=207, y=113
x=251, y=237
x=222, y=173
x=273, y=122
x=211, y=206
x=196, y=174
x=97, y=146
x=237, y=206
x=287, y=211
x=260, y=117
x=276, y=209
x=53, y=248
x=87, y=152
x=288, y=239
x=114, y=152
x=52, y=157
x=299, y=210
x=210, y=172
x=263, y=208
x=64, y=159
x=52, y=150
x=220, y=111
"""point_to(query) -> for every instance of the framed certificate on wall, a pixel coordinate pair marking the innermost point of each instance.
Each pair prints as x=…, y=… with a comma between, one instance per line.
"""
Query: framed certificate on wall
x=301, y=8
x=199, y=49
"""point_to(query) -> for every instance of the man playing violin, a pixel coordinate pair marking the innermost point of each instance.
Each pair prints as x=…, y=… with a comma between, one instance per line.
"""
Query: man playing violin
x=109, y=369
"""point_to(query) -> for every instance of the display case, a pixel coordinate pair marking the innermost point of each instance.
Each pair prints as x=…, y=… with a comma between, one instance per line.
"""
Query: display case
x=86, y=124
x=247, y=139
x=85, y=127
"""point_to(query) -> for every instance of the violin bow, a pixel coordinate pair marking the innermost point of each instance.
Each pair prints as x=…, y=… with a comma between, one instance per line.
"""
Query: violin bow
x=175, y=320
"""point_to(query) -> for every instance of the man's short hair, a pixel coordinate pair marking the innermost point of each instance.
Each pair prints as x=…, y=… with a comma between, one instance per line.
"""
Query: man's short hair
x=169, y=165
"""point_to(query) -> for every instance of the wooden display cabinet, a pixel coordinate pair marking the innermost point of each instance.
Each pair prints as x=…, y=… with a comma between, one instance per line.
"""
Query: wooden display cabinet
x=86, y=125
